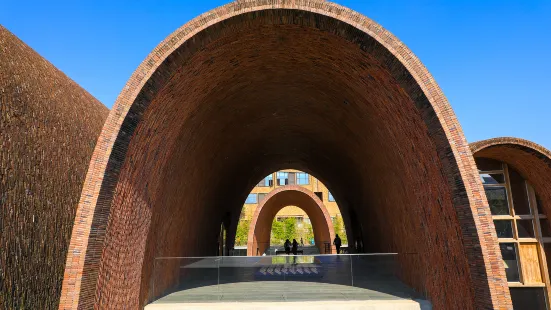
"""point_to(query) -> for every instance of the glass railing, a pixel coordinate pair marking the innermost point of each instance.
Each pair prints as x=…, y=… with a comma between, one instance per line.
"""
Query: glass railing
x=278, y=278
x=265, y=248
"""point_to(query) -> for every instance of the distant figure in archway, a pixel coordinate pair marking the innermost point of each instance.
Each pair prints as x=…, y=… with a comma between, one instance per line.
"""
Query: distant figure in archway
x=301, y=242
x=295, y=246
x=337, y=243
x=287, y=246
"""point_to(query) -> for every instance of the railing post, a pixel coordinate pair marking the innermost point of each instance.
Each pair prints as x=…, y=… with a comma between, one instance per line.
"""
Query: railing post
x=351, y=269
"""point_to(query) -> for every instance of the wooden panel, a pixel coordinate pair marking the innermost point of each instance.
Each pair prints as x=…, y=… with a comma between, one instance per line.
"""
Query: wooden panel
x=529, y=263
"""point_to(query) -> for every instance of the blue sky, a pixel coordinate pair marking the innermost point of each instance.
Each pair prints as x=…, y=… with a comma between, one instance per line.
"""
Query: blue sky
x=491, y=58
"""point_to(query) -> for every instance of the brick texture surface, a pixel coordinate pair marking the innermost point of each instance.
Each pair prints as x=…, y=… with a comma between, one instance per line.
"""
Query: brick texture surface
x=261, y=223
x=256, y=86
x=48, y=130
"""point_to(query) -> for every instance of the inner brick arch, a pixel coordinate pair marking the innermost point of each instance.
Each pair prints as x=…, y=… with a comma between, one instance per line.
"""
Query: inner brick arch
x=309, y=85
x=531, y=160
x=291, y=195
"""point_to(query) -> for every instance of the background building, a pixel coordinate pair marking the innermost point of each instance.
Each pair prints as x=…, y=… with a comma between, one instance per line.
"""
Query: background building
x=292, y=177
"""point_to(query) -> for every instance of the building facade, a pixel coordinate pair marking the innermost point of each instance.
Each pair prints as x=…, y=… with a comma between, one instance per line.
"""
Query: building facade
x=290, y=177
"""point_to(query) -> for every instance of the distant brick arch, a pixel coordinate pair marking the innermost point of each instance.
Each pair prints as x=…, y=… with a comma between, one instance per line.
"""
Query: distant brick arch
x=530, y=159
x=295, y=195
x=412, y=146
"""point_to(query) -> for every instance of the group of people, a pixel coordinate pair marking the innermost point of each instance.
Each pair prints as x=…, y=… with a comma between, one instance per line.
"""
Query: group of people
x=293, y=247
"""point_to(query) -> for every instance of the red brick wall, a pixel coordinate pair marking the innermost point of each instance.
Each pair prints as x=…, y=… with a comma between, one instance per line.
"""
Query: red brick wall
x=48, y=130
x=295, y=195
x=240, y=92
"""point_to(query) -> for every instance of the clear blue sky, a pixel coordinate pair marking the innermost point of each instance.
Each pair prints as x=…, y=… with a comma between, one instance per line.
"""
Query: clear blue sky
x=492, y=58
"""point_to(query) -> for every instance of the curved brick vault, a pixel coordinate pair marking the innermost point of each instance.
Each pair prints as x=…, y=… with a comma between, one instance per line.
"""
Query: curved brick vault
x=531, y=160
x=291, y=195
x=256, y=86
x=48, y=128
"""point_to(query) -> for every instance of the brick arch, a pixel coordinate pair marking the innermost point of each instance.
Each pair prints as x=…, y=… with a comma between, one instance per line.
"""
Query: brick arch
x=261, y=223
x=530, y=159
x=379, y=130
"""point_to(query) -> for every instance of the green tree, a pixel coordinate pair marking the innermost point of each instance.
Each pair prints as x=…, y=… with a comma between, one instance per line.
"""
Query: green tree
x=242, y=233
x=277, y=236
x=338, y=226
x=290, y=228
x=307, y=232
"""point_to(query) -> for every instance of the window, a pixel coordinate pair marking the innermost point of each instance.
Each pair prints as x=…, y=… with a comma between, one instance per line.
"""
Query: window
x=282, y=178
x=252, y=198
x=303, y=178
x=509, y=255
x=516, y=212
x=528, y=298
x=330, y=197
x=261, y=197
x=504, y=228
x=320, y=195
x=291, y=176
x=267, y=181
x=497, y=198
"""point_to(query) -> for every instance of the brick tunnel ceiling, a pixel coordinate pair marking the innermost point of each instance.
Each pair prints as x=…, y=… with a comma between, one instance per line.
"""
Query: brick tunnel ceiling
x=279, y=96
x=252, y=98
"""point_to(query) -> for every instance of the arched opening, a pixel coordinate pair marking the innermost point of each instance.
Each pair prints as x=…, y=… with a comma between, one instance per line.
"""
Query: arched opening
x=250, y=88
x=516, y=175
x=291, y=216
x=261, y=224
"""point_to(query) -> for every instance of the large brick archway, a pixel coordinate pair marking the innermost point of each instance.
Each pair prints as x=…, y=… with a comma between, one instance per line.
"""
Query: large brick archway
x=291, y=195
x=256, y=86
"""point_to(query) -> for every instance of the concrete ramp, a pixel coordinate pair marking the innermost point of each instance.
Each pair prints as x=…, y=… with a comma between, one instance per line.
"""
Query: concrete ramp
x=293, y=295
x=310, y=305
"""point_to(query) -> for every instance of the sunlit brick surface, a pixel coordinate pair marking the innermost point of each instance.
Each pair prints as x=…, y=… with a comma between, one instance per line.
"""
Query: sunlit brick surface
x=48, y=130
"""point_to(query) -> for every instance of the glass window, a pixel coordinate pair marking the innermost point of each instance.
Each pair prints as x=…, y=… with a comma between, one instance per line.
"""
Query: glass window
x=320, y=195
x=302, y=178
x=545, y=229
x=269, y=180
x=497, y=198
x=540, y=206
x=330, y=197
x=509, y=255
x=282, y=178
x=487, y=164
x=261, y=197
x=252, y=198
x=532, y=298
x=520, y=196
x=504, y=229
x=547, y=250
x=492, y=178
x=525, y=229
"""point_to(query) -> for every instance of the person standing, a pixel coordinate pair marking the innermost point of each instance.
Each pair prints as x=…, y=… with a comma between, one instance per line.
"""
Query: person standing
x=301, y=242
x=337, y=243
x=287, y=246
x=295, y=246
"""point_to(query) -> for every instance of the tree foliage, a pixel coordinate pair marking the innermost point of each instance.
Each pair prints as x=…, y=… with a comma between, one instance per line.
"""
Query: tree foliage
x=242, y=233
x=338, y=226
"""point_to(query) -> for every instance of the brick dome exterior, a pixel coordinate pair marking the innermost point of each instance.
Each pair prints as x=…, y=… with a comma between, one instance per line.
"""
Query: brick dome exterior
x=48, y=130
